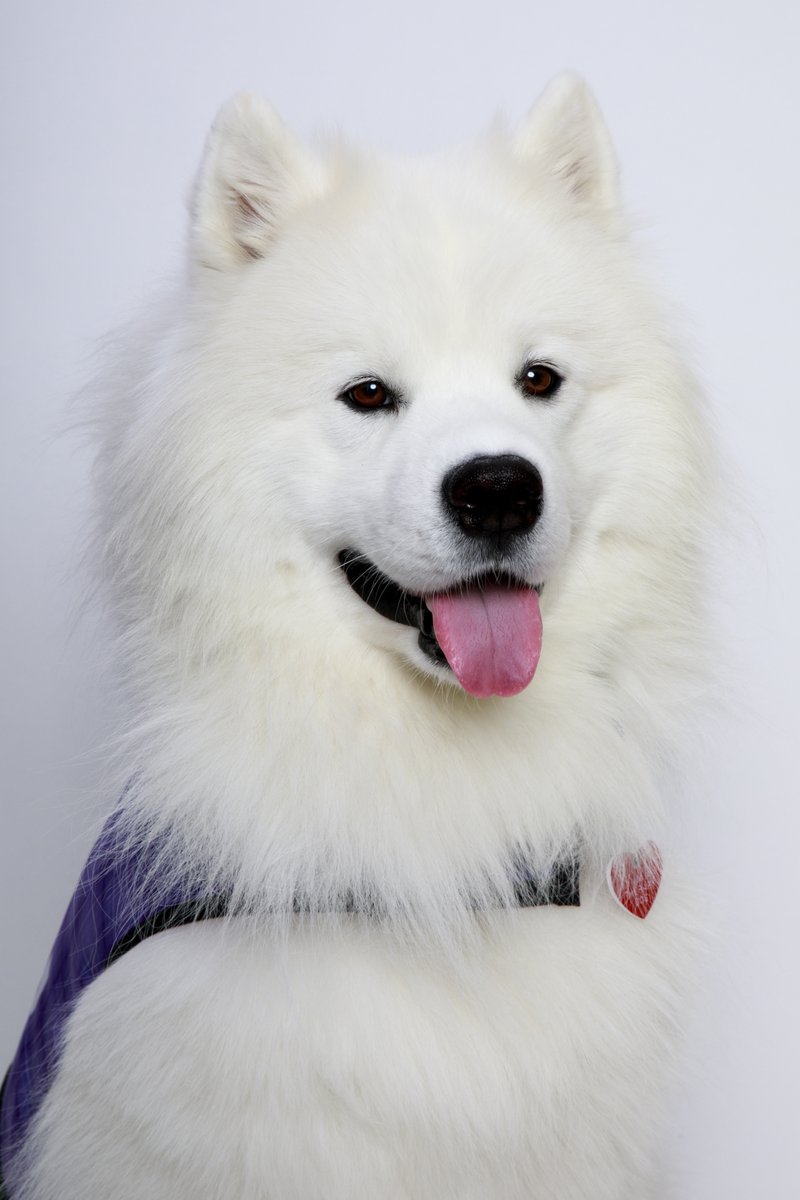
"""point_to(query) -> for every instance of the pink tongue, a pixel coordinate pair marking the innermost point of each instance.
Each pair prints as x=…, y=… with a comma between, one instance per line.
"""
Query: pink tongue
x=491, y=637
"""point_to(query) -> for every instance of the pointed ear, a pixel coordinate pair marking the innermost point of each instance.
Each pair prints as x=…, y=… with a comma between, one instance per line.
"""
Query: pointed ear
x=254, y=173
x=564, y=137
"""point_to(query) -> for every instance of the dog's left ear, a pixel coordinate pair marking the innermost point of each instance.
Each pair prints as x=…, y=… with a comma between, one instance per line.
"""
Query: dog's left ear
x=254, y=174
x=565, y=138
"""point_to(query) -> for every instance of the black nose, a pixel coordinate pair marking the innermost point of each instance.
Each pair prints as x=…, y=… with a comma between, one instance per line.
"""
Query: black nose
x=495, y=495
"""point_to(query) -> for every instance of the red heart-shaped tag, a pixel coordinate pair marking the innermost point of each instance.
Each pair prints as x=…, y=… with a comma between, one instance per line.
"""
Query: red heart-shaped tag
x=634, y=879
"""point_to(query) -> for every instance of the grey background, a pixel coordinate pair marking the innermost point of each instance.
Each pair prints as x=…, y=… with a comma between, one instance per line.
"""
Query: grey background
x=104, y=111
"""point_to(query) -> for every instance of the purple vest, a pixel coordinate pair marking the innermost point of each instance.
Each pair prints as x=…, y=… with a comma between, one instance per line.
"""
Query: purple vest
x=115, y=906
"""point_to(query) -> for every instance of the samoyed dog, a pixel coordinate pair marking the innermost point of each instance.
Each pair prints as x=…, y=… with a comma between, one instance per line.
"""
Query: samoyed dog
x=402, y=508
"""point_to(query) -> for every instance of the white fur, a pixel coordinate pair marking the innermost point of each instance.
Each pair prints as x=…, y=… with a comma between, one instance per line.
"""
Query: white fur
x=292, y=740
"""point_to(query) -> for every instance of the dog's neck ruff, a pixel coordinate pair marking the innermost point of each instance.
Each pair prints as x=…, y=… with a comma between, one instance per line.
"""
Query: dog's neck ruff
x=116, y=905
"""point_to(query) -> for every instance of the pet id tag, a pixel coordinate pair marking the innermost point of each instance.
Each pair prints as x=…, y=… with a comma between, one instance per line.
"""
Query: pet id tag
x=634, y=879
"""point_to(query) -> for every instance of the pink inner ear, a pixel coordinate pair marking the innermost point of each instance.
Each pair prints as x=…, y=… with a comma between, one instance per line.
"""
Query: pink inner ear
x=250, y=223
x=248, y=210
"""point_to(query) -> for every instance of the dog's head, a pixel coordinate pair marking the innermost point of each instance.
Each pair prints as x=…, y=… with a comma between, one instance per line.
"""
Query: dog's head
x=431, y=399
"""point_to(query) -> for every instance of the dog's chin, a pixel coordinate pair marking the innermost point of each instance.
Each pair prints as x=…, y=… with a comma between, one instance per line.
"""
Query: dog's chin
x=430, y=632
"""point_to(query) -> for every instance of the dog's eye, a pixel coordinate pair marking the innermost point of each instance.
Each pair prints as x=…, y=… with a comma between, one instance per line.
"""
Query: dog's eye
x=539, y=380
x=369, y=394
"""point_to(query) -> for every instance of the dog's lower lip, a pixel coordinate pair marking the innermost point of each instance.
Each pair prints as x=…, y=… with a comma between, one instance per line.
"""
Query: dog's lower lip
x=390, y=600
x=380, y=592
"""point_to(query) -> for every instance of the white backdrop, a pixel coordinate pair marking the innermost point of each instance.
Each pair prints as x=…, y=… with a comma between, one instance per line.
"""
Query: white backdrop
x=104, y=111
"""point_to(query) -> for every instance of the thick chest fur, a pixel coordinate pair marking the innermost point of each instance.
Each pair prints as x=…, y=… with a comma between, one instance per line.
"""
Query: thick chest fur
x=330, y=1065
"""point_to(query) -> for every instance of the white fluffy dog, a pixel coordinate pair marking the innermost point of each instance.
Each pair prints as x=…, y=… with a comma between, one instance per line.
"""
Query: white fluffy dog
x=411, y=432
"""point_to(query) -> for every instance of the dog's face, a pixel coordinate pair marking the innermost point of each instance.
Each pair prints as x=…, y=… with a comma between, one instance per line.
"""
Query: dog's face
x=433, y=411
x=427, y=390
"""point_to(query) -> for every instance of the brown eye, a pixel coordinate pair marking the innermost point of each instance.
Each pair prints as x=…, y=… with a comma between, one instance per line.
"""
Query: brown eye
x=369, y=394
x=540, y=381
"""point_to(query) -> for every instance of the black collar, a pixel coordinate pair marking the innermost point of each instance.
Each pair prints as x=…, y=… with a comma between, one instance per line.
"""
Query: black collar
x=560, y=888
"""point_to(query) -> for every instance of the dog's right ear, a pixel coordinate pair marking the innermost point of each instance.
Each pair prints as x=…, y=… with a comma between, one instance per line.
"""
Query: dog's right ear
x=564, y=138
x=253, y=173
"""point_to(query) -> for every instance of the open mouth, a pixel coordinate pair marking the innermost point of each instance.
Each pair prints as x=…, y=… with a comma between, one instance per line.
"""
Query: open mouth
x=488, y=631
